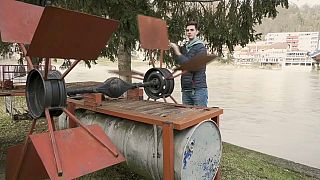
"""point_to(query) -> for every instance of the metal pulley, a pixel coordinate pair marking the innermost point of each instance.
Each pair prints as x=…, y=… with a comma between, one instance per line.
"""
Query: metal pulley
x=41, y=93
x=162, y=85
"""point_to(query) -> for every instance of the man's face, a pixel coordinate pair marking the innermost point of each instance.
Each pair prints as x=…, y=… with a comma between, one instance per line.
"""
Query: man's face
x=191, y=32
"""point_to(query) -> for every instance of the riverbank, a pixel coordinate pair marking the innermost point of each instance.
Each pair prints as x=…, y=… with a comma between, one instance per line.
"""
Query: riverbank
x=237, y=162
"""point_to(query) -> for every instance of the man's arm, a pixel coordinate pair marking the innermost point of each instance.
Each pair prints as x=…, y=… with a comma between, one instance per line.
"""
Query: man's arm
x=175, y=48
x=180, y=57
x=194, y=51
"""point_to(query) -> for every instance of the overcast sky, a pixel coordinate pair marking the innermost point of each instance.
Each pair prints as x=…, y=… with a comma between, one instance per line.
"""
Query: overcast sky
x=303, y=2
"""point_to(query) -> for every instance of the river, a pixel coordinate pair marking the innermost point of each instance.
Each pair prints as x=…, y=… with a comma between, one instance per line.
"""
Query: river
x=272, y=111
x=276, y=112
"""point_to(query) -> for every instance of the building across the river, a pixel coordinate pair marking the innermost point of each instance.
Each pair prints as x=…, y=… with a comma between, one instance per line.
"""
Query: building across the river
x=303, y=41
x=280, y=51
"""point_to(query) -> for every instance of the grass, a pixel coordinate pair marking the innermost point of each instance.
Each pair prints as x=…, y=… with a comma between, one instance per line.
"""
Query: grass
x=241, y=163
x=237, y=162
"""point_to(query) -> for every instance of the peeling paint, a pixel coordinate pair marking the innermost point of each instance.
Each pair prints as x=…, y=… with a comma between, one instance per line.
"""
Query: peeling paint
x=210, y=168
x=186, y=156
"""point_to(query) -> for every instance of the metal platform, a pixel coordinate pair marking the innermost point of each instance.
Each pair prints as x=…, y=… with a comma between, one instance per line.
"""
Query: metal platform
x=151, y=112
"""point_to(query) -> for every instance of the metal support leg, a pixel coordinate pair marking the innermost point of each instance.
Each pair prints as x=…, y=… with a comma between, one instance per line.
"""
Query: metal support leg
x=216, y=120
x=24, y=150
x=168, y=151
x=29, y=61
x=73, y=118
x=54, y=143
x=71, y=109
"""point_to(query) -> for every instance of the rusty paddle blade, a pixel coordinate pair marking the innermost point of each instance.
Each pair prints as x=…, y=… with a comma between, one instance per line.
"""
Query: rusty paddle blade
x=196, y=63
x=18, y=21
x=80, y=153
x=70, y=35
x=31, y=168
x=153, y=33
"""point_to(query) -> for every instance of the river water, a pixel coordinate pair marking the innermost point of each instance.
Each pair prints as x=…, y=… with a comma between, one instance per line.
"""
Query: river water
x=272, y=111
x=276, y=112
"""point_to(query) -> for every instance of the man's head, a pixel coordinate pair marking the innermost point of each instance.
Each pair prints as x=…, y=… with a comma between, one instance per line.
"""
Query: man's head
x=192, y=30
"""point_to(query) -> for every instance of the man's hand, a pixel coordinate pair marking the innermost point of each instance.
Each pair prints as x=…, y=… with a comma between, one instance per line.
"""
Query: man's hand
x=175, y=48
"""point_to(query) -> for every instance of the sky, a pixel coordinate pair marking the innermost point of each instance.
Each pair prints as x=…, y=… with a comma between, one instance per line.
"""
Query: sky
x=303, y=2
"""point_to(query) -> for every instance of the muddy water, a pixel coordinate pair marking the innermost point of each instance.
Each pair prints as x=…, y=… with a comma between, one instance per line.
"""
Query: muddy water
x=272, y=111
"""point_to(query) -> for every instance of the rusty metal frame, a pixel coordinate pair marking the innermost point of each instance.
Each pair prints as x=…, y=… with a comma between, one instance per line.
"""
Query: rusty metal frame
x=70, y=68
x=13, y=93
x=153, y=35
x=41, y=31
x=196, y=62
x=24, y=150
x=37, y=49
x=9, y=71
x=47, y=63
x=80, y=36
x=24, y=51
x=74, y=118
x=168, y=150
x=54, y=143
x=179, y=122
x=169, y=124
x=52, y=147
x=18, y=21
x=71, y=108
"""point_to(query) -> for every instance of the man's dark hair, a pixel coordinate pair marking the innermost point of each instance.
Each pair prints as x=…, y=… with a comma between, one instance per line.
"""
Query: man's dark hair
x=194, y=23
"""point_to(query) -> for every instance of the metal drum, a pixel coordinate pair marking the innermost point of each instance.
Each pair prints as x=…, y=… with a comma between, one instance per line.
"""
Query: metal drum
x=197, y=150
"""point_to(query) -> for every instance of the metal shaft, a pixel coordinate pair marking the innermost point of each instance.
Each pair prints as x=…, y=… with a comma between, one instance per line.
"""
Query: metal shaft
x=112, y=87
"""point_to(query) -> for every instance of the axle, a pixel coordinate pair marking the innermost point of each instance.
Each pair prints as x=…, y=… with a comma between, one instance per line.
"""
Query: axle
x=113, y=87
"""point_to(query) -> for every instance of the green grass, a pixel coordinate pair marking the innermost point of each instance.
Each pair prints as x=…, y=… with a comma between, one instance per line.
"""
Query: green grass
x=240, y=163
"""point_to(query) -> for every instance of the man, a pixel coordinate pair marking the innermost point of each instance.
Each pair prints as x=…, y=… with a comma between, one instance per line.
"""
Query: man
x=193, y=84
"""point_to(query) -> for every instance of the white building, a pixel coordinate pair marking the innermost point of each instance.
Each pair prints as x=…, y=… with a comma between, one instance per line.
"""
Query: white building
x=274, y=56
x=261, y=53
x=249, y=54
x=303, y=41
x=298, y=59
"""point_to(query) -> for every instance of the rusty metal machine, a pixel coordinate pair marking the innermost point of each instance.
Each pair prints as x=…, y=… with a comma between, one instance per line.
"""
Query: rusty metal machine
x=82, y=37
x=48, y=155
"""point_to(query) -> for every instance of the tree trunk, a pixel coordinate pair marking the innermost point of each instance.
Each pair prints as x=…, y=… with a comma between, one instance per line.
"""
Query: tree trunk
x=124, y=61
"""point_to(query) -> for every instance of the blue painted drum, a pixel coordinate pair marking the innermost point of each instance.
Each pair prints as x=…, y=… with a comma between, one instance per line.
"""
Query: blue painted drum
x=202, y=152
